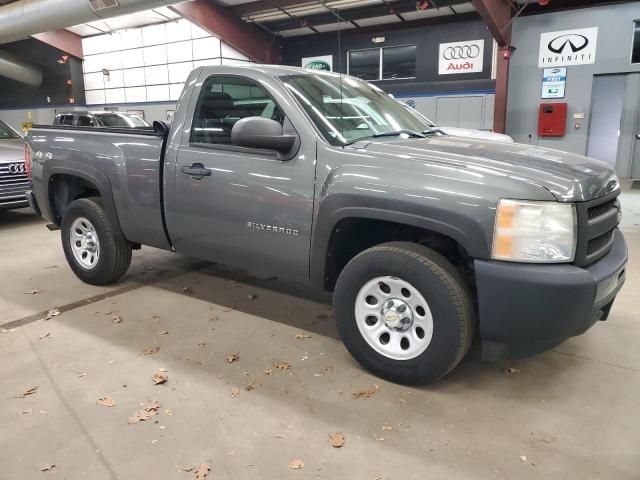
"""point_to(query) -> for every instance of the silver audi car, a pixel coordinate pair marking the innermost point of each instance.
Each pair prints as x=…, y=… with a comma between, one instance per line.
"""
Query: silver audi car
x=14, y=181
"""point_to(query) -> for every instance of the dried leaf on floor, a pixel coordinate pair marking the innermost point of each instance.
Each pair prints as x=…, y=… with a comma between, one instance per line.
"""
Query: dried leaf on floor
x=251, y=386
x=81, y=374
x=233, y=357
x=548, y=439
x=366, y=392
x=187, y=291
x=4, y=330
x=336, y=440
x=387, y=428
x=268, y=371
x=296, y=464
x=32, y=292
x=281, y=365
x=54, y=312
x=47, y=467
x=186, y=468
x=302, y=336
x=378, y=437
x=523, y=458
x=252, y=296
x=150, y=350
x=511, y=370
x=160, y=377
x=28, y=392
x=202, y=471
x=46, y=335
x=227, y=309
x=235, y=392
x=116, y=319
x=163, y=332
x=106, y=401
x=150, y=410
x=202, y=344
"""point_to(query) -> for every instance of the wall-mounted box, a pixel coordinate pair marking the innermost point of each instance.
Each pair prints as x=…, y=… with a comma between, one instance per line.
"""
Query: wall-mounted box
x=552, y=119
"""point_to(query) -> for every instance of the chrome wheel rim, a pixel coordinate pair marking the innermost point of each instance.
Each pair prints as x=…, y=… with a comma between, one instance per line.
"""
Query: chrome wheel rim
x=84, y=243
x=394, y=318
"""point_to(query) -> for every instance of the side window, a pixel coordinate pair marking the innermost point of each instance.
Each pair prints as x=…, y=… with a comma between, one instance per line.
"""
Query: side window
x=85, y=121
x=66, y=120
x=225, y=100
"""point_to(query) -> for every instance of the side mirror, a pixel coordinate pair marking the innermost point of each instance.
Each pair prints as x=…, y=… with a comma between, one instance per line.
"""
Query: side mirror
x=259, y=132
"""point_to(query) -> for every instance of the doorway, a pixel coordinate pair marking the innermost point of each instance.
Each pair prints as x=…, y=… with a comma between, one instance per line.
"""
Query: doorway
x=606, y=115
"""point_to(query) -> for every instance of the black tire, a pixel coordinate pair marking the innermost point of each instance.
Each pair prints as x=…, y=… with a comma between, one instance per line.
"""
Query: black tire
x=115, y=251
x=442, y=287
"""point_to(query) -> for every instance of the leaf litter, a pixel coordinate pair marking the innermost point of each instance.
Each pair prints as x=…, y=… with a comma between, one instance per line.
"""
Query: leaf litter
x=106, y=401
x=160, y=377
x=366, y=392
x=149, y=410
x=336, y=440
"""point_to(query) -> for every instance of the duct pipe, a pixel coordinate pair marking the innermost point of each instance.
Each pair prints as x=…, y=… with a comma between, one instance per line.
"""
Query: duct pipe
x=22, y=18
x=11, y=67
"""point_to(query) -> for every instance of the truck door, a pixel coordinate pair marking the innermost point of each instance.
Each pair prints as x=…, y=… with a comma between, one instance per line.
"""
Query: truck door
x=243, y=207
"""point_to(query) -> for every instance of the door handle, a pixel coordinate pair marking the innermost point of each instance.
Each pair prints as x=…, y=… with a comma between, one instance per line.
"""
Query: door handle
x=196, y=170
x=638, y=136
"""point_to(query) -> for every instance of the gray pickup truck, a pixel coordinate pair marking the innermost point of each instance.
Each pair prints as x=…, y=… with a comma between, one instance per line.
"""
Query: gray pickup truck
x=14, y=181
x=424, y=239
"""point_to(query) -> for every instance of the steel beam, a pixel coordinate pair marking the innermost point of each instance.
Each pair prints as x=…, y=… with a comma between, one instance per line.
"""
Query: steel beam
x=497, y=16
x=246, y=38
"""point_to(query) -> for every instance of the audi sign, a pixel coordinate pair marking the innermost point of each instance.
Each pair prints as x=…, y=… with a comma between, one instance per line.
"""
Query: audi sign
x=461, y=57
x=17, y=168
x=568, y=47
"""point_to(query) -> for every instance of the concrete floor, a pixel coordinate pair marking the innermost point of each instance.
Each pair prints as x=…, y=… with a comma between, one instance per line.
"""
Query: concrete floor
x=571, y=413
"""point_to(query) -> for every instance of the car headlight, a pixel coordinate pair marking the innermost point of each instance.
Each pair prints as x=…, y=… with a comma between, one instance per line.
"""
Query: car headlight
x=536, y=232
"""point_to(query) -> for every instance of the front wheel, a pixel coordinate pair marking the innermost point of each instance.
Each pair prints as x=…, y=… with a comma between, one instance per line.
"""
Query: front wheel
x=404, y=312
x=95, y=250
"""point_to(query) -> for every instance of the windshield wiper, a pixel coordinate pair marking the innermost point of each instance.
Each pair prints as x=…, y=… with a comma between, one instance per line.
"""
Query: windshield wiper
x=433, y=131
x=404, y=131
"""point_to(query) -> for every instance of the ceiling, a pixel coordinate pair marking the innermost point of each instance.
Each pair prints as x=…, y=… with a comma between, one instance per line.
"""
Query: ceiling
x=132, y=20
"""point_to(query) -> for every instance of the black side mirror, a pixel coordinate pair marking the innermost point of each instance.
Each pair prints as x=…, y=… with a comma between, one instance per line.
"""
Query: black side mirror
x=259, y=132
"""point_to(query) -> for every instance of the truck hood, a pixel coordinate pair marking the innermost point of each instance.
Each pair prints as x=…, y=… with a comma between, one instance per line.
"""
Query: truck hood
x=569, y=177
x=480, y=134
x=11, y=151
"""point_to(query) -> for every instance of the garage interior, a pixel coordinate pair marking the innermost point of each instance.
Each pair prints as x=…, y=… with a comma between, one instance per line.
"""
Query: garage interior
x=242, y=374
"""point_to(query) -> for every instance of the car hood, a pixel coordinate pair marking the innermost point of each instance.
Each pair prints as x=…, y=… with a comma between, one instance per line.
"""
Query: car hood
x=480, y=134
x=569, y=177
x=11, y=151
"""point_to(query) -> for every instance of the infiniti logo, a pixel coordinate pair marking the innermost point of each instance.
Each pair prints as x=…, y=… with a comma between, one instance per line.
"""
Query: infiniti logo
x=461, y=52
x=16, y=168
x=574, y=41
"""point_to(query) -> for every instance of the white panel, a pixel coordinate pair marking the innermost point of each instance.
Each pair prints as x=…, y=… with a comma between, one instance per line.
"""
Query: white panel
x=331, y=27
x=464, y=8
x=179, y=52
x=92, y=63
x=114, y=95
x=132, y=58
x=158, y=93
x=94, y=96
x=115, y=79
x=177, y=31
x=365, y=22
x=131, y=38
x=178, y=72
x=154, y=35
x=137, y=94
x=428, y=13
x=175, y=90
x=206, y=48
x=155, y=55
x=156, y=75
x=197, y=32
x=133, y=77
x=96, y=63
x=230, y=52
x=207, y=63
x=93, y=81
x=296, y=32
x=93, y=45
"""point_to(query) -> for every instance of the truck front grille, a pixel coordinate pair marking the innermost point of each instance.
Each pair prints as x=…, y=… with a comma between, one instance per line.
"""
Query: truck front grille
x=13, y=183
x=597, y=220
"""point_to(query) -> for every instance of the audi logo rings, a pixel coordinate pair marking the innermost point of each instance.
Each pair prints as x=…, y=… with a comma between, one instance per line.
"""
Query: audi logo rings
x=461, y=52
x=16, y=168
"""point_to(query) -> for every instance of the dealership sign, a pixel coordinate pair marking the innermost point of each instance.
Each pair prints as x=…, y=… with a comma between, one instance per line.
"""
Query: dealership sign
x=322, y=62
x=553, y=82
x=568, y=47
x=461, y=57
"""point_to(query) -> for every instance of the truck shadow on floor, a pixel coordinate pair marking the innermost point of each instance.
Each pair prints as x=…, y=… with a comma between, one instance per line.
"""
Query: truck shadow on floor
x=17, y=218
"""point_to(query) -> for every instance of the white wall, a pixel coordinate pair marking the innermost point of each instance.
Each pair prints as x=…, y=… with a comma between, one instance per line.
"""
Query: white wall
x=149, y=64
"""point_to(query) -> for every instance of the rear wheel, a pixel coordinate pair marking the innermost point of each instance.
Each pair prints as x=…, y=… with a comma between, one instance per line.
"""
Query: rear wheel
x=404, y=313
x=96, y=251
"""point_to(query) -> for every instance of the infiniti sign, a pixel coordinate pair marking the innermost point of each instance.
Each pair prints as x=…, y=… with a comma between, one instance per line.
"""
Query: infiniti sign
x=569, y=47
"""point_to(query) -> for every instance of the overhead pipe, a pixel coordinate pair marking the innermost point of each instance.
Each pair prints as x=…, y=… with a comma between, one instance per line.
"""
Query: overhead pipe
x=22, y=18
x=13, y=68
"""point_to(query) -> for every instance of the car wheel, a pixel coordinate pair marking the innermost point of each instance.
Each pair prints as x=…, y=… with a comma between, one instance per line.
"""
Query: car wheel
x=96, y=252
x=404, y=312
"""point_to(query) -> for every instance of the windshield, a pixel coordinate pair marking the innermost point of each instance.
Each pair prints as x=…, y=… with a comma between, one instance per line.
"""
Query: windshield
x=121, y=120
x=5, y=132
x=363, y=111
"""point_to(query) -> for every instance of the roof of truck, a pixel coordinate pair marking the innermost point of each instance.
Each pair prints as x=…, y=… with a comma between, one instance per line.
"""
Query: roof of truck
x=275, y=70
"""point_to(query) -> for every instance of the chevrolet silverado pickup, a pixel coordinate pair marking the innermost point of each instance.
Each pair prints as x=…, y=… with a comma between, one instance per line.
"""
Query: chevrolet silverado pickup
x=13, y=177
x=320, y=178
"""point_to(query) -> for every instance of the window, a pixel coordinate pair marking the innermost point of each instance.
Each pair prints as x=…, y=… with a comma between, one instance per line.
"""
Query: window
x=66, y=120
x=365, y=64
x=348, y=110
x=399, y=62
x=85, y=121
x=635, y=50
x=387, y=63
x=121, y=120
x=6, y=132
x=225, y=100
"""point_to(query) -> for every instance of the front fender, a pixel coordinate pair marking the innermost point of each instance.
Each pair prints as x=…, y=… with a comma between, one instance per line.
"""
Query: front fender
x=464, y=229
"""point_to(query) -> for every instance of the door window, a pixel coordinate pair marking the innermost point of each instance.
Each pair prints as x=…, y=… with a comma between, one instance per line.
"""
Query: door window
x=225, y=100
x=66, y=120
x=85, y=121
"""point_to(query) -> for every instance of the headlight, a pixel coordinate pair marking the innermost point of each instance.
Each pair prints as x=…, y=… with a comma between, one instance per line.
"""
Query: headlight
x=528, y=231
